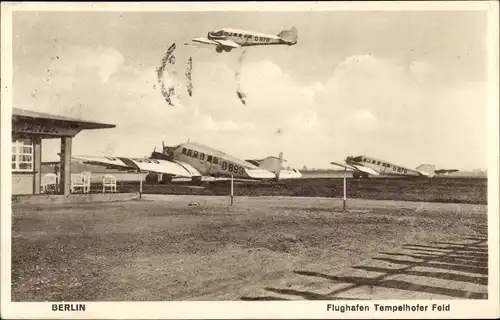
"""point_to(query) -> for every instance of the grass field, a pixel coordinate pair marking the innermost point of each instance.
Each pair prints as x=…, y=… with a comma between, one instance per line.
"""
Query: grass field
x=267, y=248
x=457, y=190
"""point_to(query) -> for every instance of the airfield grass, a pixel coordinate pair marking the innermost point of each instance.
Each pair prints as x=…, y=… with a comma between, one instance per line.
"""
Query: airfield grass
x=171, y=250
x=440, y=189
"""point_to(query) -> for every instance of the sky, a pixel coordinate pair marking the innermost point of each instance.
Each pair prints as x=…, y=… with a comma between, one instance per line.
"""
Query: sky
x=406, y=87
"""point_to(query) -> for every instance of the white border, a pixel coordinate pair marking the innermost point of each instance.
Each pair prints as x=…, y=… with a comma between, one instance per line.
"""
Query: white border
x=269, y=309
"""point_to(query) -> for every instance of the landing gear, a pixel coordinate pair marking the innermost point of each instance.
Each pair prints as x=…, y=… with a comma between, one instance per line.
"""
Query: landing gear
x=152, y=178
x=196, y=181
x=157, y=178
x=358, y=175
x=219, y=49
x=166, y=179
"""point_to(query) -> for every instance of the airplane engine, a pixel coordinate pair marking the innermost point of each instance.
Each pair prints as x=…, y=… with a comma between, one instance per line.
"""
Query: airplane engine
x=218, y=49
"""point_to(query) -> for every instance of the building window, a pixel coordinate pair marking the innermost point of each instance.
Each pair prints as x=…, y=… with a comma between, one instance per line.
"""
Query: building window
x=22, y=155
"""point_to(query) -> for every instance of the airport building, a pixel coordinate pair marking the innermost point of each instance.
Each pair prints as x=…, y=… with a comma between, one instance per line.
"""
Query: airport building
x=29, y=129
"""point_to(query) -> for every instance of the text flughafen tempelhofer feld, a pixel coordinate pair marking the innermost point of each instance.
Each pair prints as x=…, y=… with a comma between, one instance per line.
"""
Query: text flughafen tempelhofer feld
x=403, y=307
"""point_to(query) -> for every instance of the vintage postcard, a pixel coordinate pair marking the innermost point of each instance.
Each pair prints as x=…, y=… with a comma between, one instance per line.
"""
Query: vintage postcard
x=250, y=160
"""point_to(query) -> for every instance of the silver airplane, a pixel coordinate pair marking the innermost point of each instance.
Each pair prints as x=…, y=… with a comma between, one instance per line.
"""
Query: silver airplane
x=193, y=160
x=227, y=39
x=364, y=166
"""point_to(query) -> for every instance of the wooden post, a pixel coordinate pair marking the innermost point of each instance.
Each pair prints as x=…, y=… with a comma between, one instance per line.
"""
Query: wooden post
x=140, y=184
x=232, y=189
x=65, y=165
x=37, y=164
x=345, y=191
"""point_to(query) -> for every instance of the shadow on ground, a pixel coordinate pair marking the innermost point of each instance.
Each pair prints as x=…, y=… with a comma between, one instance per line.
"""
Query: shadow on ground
x=445, y=263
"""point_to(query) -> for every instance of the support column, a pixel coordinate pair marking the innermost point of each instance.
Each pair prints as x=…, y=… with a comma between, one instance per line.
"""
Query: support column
x=37, y=164
x=65, y=172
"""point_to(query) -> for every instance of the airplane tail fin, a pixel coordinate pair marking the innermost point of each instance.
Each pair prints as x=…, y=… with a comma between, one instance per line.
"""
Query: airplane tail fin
x=427, y=170
x=272, y=164
x=290, y=36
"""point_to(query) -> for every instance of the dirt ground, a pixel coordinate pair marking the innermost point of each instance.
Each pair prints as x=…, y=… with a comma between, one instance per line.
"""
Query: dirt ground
x=265, y=248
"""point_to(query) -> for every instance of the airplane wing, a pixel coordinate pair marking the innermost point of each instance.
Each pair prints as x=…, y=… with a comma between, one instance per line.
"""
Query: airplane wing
x=260, y=174
x=142, y=164
x=204, y=41
x=445, y=171
x=290, y=174
x=266, y=174
x=228, y=43
x=366, y=170
x=346, y=166
x=356, y=168
x=224, y=43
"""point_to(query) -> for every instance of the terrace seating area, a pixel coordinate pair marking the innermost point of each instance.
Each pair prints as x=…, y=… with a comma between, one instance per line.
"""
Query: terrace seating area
x=80, y=183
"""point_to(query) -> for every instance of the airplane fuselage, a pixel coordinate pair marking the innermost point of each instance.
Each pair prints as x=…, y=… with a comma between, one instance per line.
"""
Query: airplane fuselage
x=245, y=38
x=382, y=167
x=211, y=162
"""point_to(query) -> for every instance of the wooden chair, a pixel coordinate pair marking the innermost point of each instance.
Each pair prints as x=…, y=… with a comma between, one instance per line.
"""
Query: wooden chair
x=87, y=178
x=49, y=181
x=108, y=181
x=77, y=182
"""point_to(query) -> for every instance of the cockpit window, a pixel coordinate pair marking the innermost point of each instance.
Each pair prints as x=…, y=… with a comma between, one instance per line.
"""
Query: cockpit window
x=357, y=159
x=218, y=33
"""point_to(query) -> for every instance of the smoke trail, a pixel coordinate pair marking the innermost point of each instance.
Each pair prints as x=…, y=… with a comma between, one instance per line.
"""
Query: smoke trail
x=189, y=69
x=237, y=76
x=169, y=58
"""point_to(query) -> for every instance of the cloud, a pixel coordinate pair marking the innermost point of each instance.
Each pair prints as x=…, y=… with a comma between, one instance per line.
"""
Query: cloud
x=367, y=105
x=107, y=61
x=363, y=120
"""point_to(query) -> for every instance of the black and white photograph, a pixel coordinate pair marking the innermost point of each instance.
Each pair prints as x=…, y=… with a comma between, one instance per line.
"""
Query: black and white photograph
x=296, y=160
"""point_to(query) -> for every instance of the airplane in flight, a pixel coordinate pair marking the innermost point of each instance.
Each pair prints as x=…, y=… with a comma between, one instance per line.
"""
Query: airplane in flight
x=364, y=166
x=227, y=39
x=193, y=160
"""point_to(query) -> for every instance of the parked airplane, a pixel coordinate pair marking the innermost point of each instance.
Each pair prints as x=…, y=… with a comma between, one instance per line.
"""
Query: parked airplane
x=193, y=160
x=228, y=39
x=364, y=166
